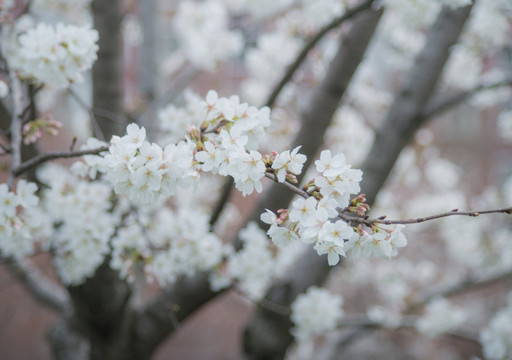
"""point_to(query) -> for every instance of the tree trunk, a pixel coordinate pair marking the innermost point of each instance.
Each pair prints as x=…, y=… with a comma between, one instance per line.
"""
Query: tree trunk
x=106, y=72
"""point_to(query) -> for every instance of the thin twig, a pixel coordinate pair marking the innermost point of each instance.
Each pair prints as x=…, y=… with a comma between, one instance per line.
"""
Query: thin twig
x=466, y=285
x=310, y=44
x=290, y=186
x=52, y=156
x=96, y=127
x=382, y=219
x=265, y=303
x=454, y=212
x=456, y=99
x=361, y=321
x=6, y=149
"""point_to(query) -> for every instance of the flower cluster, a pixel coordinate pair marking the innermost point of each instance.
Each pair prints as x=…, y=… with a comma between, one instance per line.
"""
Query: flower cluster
x=315, y=219
x=315, y=312
x=56, y=56
x=226, y=143
x=169, y=243
x=174, y=121
x=143, y=170
x=81, y=211
x=234, y=130
x=253, y=266
x=440, y=317
x=33, y=130
x=202, y=30
x=20, y=220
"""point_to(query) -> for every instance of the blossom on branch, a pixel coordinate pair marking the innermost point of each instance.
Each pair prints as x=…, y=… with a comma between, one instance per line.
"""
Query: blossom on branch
x=57, y=55
x=315, y=312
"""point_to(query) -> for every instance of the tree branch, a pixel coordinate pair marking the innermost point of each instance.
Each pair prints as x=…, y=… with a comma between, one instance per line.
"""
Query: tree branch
x=310, y=44
x=106, y=73
x=164, y=314
x=467, y=285
x=454, y=212
x=41, y=158
x=454, y=100
x=382, y=220
x=42, y=289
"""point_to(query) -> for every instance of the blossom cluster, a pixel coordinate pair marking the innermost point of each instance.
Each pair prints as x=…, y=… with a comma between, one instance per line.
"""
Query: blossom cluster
x=315, y=312
x=56, y=56
x=175, y=121
x=20, y=220
x=440, y=317
x=203, y=32
x=233, y=140
x=143, y=170
x=254, y=265
x=315, y=219
x=226, y=143
x=276, y=49
x=147, y=173
x=169, y=244
x=84, y=223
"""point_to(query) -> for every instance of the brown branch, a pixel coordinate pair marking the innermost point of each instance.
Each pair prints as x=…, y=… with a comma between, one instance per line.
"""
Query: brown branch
x=466, y=285
x=167, y=310
x=382, y=220
x=43, y=290
x=450, y=102
x=310, y=44
x=407, y=322
x=38, y=160
x=454, y=212
x=290, y=186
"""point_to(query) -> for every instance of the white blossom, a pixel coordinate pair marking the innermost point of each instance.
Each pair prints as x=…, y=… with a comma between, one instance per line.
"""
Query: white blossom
x=204, y=35
x=315, y=312
x=58, y=55
x=440, y=317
